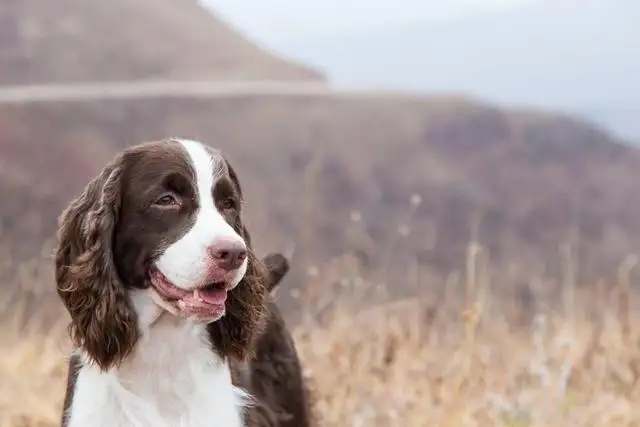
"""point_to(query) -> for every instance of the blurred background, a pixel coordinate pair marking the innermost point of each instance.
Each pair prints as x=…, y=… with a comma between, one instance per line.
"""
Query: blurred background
x=456, y=184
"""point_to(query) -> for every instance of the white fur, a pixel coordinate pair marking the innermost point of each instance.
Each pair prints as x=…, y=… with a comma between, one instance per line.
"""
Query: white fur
x=173, y=379
x=185, y=262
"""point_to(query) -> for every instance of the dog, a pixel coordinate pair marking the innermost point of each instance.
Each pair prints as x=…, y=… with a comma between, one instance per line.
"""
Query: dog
x=171, y=316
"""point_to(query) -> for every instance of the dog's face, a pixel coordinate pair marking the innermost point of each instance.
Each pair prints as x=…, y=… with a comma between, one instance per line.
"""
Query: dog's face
x=180, y=229
x=163, y=218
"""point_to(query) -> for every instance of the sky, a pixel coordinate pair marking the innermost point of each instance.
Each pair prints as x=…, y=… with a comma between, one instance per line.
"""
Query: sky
x=275, y=21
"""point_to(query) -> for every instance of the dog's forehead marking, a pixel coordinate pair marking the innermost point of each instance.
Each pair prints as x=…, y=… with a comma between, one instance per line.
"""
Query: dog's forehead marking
x=207, y=162
x=184, y=262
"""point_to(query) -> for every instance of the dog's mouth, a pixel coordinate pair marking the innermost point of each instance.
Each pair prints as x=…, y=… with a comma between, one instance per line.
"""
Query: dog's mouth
x=202, y=303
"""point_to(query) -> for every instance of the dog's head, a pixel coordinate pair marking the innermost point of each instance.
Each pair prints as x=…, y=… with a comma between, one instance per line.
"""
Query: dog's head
x=160, y=226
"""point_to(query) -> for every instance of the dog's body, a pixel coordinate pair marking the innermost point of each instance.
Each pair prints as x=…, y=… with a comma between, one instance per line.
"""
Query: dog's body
x=146, y=391
x=170, y=310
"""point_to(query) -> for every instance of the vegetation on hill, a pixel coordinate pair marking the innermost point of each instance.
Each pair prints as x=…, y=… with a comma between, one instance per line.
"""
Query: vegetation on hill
x=335, y=176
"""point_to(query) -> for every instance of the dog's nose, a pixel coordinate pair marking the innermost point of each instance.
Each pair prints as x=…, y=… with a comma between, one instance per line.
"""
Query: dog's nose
x=228, y=255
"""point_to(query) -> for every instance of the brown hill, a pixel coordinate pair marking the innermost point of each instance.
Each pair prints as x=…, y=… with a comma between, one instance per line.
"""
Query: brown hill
x=43, y=41
x=337, y=176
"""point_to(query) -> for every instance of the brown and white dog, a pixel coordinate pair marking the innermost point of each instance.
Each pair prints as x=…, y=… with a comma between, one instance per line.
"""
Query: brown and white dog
x=171, y=317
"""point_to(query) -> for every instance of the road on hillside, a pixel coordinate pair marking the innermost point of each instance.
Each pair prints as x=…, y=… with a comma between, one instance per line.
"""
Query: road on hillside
x=161, y=89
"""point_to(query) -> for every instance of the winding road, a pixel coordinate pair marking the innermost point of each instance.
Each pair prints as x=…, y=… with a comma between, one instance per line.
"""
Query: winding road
x=167, y=89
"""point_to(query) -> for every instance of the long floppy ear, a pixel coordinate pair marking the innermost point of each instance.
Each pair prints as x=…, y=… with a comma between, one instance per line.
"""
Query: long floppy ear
x=103, y=322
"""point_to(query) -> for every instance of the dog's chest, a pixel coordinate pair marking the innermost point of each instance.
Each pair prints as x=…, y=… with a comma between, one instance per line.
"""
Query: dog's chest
x=172, y=380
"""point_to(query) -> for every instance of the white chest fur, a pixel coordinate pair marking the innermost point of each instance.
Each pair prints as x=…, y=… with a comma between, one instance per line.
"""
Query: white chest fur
x=172, y=380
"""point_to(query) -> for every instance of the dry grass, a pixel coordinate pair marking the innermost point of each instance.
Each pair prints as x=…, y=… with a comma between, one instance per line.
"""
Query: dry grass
x=454, y=361
x=402, y=370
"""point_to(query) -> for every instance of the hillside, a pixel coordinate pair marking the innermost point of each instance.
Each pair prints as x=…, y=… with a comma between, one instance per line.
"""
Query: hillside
x=398, y=183
x=577, y=55
x=58, y=41
x=336, y=176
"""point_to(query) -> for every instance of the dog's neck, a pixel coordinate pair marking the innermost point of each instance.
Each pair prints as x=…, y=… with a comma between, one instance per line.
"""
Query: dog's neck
x=173, y=377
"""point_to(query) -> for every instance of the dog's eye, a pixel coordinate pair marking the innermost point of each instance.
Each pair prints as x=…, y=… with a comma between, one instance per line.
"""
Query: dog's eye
x=228, y=203
x=166, y=200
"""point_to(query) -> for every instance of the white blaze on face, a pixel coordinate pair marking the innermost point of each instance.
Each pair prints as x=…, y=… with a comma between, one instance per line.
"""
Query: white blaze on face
x=186, y=261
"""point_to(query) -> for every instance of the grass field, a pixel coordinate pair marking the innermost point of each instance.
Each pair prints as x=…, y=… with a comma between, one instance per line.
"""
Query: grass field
x=466, y=358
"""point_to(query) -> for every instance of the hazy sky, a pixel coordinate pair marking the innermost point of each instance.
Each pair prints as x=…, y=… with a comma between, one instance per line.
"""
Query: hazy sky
x=275, y=20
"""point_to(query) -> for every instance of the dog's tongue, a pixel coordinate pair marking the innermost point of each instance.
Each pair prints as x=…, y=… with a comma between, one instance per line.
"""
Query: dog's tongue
x=211, y=295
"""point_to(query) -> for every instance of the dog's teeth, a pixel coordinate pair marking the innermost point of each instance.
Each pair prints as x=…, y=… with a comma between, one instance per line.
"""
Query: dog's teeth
x=196, y=295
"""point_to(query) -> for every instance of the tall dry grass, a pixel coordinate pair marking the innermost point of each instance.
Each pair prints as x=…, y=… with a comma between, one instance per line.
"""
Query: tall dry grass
x=463, y=359
x=465, y=351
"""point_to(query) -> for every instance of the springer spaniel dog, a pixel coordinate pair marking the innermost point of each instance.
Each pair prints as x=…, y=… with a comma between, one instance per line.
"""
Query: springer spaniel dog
x=171, y=317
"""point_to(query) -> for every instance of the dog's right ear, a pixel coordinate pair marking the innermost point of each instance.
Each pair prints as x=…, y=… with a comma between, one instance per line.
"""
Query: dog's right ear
x=103, y=321
x=277, y=267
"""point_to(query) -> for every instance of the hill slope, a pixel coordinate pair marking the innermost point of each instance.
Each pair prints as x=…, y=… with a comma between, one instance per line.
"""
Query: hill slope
x=44, y=41
x=337, y=175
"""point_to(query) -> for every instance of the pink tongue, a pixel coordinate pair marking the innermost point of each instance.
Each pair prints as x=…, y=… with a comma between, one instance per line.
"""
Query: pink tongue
x=213, y=296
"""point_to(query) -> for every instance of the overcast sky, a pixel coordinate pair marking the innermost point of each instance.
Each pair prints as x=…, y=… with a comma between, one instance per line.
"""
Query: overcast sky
x=272, y=21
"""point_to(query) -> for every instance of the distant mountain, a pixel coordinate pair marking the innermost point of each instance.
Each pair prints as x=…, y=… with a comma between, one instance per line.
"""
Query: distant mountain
x=45, y=41
x=572, y=54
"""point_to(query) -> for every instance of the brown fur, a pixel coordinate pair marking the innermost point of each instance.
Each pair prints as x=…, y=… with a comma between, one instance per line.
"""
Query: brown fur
x=274, y=376
x=103, y=320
